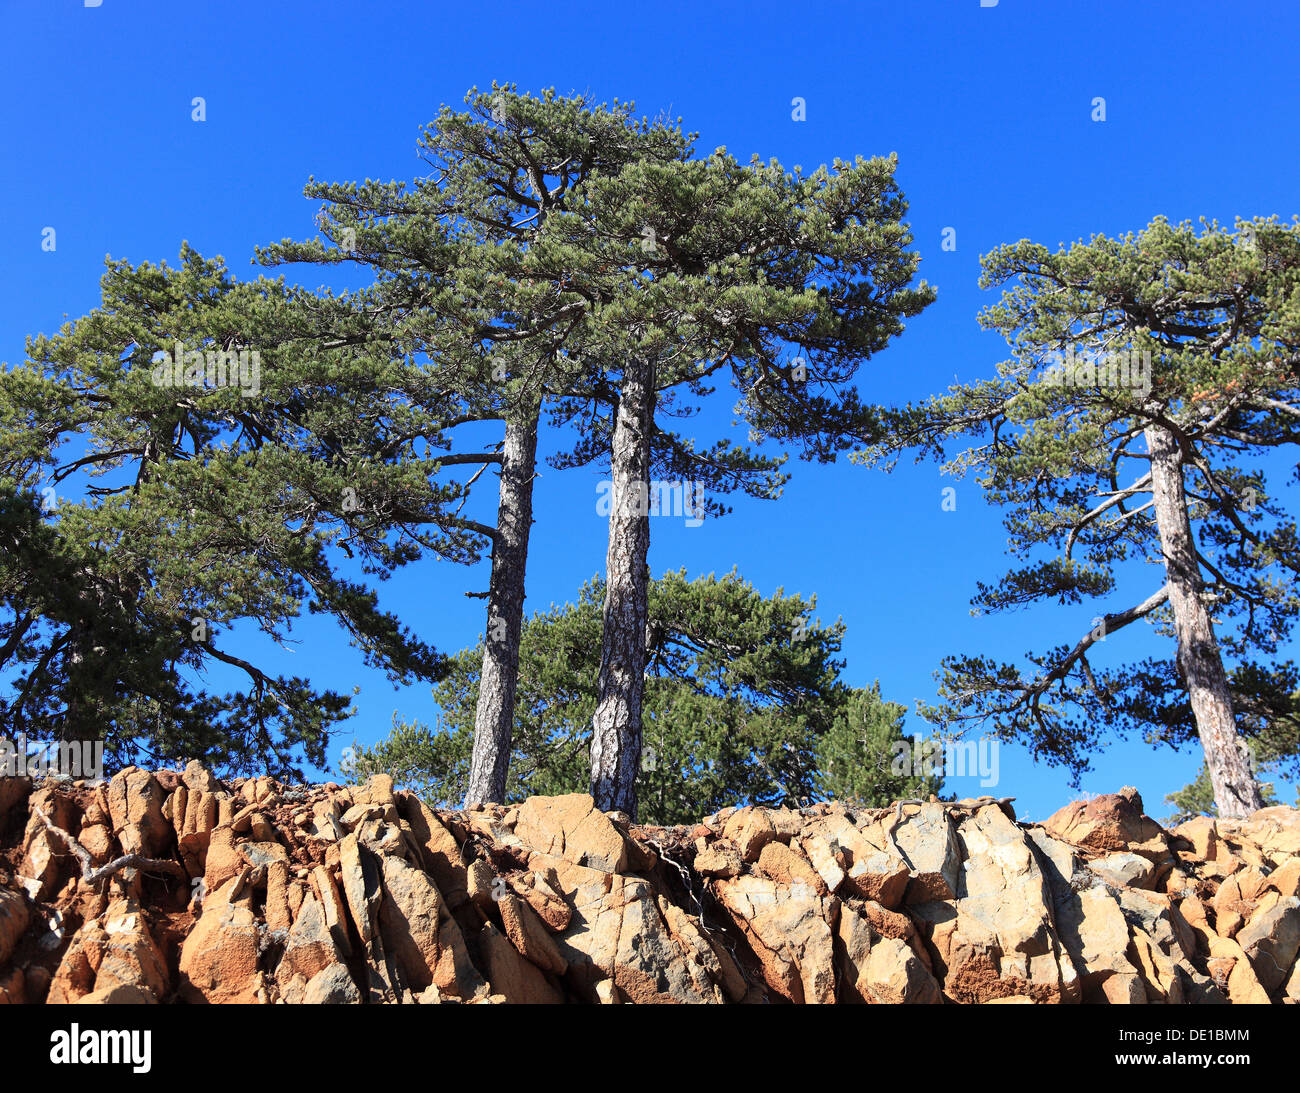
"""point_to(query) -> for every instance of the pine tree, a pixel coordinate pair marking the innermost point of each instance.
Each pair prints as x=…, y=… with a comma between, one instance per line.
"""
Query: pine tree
x=700, y=269
x=476, y=294
x=1152, y=375
x=189, y=459
x=743, y=702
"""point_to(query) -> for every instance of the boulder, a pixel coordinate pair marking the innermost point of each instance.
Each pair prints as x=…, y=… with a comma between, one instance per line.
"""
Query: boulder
x=1271, y=941
x=571, y=827
x=135, y=802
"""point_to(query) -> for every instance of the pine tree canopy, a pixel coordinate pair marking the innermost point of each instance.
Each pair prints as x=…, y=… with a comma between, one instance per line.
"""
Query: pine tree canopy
x=1192, y=333
x=221, y=457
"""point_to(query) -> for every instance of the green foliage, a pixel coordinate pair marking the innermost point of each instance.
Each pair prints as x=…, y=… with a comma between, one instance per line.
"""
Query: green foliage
x=1198, y=334
x=553, y=236
x=856, y=757
x=195, y=513
x=736, y=708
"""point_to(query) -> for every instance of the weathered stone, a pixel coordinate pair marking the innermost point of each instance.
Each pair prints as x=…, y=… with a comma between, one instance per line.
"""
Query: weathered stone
x=529, y=936
x=518, y=980
x=1125, y=870
x=421, y=934
x=1095, y=933
x=46, y=859
x=310, y=947
x=616, y=933
x=789, y=867
x=219, y=958
x=1202, y=834
x=333, y=985
x=1114, y=821
x=1271, y=941
x=13, y=921
x=1004, y=928
x=438, y=849
x=198, y=778
x=571, y=827
x=928, y=842
x=749, y=830
x=135, y=805
x=825, y=861
x=878, y=969
x=719, y=859
x=790, y=933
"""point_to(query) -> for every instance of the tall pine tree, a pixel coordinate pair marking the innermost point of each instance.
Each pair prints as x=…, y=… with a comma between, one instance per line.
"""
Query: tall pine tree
x=1152, y=376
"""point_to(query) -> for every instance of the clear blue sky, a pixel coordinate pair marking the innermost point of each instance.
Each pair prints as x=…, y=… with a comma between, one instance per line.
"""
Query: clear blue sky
x=988, y=109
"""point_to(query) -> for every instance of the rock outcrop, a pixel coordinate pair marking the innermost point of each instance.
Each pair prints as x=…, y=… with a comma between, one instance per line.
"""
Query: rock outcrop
x=251, y=891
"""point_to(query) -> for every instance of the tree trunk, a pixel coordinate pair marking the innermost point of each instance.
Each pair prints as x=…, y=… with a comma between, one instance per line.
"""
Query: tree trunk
x=616, y=724
x=1236, y=793
x=495, y=714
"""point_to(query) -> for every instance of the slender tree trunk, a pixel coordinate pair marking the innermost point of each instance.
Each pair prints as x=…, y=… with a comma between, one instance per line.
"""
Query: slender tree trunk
x=616, y=724
x=494, y=717
x=1236, y=793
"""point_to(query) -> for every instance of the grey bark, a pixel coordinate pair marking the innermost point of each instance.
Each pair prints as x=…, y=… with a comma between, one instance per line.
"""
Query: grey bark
x=499, y=677
x=616, y=724
x=1236, y=792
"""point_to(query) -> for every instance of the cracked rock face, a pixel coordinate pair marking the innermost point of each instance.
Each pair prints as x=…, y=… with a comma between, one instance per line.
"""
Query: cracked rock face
x=255, y=892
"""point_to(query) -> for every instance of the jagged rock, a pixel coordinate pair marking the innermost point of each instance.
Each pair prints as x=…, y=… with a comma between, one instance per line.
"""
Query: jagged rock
x=1275, y=831
x=1159, y=974
x=719, y=860
x=529, y=935
x=198, y=778
x=1271, y=941
x=825, y=860
x=333, y=985
x=617, y=933
x=878, y=969
x=223, y=859
x=135, y=805
x=874, y=869
x=555, y=901
x=438, y=849
x=118, y=952
x=1124, y=869
x=928, y=842
x=791, y=868
x=14, y=918
x=1202, y=834
x=996, y=939
x=1096, y=935
x=421, y=934
x=1114, y=821
x=46, y=860
x=790, y=933
x=749, y=830
x=219, y=958
x=310, y=947
x=98, y=842
x=518, y=980
x=572, y=828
